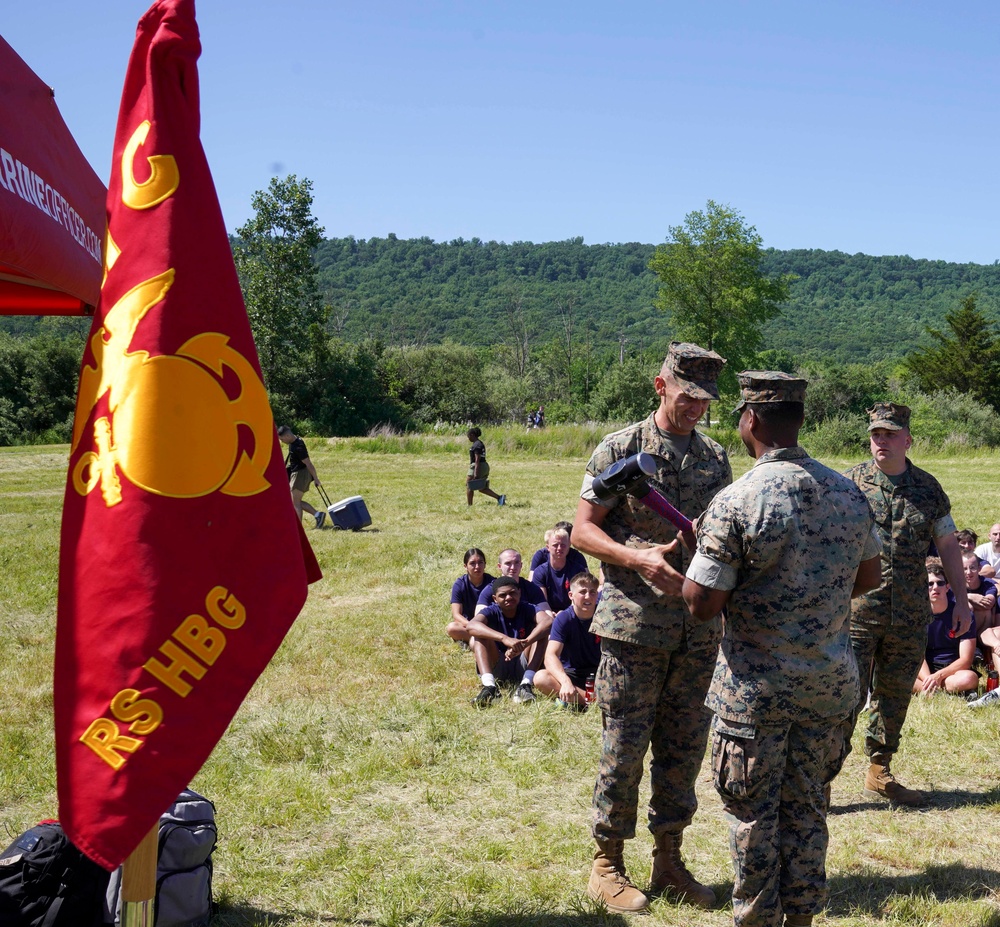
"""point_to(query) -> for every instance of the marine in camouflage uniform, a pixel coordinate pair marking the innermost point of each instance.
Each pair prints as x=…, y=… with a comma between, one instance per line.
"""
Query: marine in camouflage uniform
x=889, y=625
x=656, y=662
x=783, y=548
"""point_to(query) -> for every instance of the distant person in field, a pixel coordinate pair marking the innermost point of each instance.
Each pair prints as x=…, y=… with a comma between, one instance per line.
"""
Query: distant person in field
x=538, y=419
x=990, y=552
x=576, y=561
x=508, y=642
x=553, y=577
x=465, y=593
x=947, y=664
x=573, y=652
x=478, y=477
x=301, y=473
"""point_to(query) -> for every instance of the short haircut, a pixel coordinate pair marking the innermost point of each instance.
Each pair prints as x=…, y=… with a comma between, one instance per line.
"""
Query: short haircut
x=556, y=532
x=970, y=555
x=967, y=534
x=567, y=526
x=284, y=430
x=584, y=578
x=785, y=414
x=502, y=582
x=471, y=552
x=935, y=567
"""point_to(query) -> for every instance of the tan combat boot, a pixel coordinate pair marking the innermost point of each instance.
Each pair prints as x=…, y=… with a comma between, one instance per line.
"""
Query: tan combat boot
x=609, y=883
x=798, y=920
x=881, y=783
x=670, y=875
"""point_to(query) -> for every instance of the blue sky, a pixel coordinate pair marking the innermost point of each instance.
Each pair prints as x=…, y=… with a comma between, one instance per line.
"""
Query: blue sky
x=865, y=127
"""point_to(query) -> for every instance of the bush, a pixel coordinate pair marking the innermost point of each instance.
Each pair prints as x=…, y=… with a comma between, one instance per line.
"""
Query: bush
x=625, y=392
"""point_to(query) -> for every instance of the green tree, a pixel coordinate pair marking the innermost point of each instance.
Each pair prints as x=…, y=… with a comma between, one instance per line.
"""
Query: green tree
x=274, y=259
x=713, y=288
x=966, y=358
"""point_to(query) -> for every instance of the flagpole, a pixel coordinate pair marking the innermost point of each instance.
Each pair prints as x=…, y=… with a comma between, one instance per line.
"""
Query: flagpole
x=139, y=882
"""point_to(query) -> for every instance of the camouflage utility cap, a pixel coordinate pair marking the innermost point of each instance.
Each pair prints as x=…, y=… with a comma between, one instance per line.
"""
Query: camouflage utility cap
x=769, y=386
x=694, y=369
x=889, y=415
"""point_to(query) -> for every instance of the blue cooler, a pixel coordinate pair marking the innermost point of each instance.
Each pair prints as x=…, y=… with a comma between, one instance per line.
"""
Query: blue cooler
x=350, y=513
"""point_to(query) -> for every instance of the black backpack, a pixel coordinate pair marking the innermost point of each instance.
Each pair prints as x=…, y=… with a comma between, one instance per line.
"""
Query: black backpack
x=45, y=881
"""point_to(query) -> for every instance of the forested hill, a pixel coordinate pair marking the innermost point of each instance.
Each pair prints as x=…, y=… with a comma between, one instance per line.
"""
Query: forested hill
x=844, y=308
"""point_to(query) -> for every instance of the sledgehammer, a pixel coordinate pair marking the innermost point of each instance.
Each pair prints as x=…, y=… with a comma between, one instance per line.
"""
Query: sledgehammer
x=630, y=476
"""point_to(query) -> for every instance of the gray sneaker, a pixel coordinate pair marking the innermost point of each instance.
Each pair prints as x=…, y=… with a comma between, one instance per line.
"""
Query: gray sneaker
x=524, y=694
x=990, y=698
x=320, y=518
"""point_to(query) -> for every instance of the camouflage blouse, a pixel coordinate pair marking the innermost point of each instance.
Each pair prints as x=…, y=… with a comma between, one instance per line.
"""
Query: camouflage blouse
x=630, y=609
x=787, y=538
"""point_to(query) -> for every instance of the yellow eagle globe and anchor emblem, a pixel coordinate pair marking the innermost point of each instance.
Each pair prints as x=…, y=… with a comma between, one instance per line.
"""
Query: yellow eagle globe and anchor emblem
x=172, y=428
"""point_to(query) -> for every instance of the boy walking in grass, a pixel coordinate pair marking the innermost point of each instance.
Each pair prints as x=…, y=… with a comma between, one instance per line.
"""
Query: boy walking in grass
x=573, y=652
x=508, y=642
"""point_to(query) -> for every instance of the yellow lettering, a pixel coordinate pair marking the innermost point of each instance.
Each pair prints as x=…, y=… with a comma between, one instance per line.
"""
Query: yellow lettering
x=181, y=662
x=225, y=609
x=164, y=177
x=104, y=738
x=143, y=713
x=204, y=641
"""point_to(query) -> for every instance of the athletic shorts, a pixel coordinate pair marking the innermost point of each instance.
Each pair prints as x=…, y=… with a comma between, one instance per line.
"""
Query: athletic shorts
x=299, y=480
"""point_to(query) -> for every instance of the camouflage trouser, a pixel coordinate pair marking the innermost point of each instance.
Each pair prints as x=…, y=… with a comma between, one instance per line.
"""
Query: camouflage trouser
x=889, y=657
x=772, y=786
x=649, y=698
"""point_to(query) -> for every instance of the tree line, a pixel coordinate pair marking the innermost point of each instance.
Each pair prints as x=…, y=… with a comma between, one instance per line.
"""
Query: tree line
x=357, y=333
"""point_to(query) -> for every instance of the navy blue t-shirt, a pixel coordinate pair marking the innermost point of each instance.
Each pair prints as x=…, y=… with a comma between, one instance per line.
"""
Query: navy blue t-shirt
x=581, y=650
x=518, y=627
x=530, y=594
x=573, y=559
x=555, y=583
x=467, y=595
x=941, y=648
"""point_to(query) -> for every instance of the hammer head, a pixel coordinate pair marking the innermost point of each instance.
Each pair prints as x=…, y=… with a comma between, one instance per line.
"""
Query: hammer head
x=625, y=477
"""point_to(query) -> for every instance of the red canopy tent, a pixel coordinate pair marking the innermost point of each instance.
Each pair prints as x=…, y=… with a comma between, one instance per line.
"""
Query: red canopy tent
x=52, y=204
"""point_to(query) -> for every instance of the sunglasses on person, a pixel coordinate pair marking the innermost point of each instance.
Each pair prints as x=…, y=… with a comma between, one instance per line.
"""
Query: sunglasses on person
x=937, y=582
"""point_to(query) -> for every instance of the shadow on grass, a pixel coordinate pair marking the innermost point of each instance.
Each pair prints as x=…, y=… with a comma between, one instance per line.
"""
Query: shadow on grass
x=869, y=892
x=238, y=915
x=245, y=915
x=949, y=799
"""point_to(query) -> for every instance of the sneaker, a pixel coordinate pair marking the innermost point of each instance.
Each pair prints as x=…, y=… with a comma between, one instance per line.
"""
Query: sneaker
x=524, y=693
x=487, y=696
x=320, y=518
x=502, y=500
x=990, y=698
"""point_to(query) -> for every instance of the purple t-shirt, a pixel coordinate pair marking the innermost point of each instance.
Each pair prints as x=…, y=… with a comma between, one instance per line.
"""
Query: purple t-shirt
x=941, y=648
x=573, y=559
x=530, y=594
x=555, y=583
x=467, y=595
x=518, y=627
x=581, y=650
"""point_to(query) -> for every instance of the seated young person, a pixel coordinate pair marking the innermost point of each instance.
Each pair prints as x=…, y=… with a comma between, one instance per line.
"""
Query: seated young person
x=948, y=660
x=509, y=564
x=465, y=593
x=553, y=576
x=572, y=653
x=982, y=595
x=967, y=541
x=574, y=559
x=508, y=642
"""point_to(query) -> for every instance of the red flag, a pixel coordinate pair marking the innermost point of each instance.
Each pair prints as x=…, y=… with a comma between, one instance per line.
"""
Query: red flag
x=182, y=564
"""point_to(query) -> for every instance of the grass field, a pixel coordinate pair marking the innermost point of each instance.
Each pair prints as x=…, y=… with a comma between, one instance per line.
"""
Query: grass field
x=358, y=786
